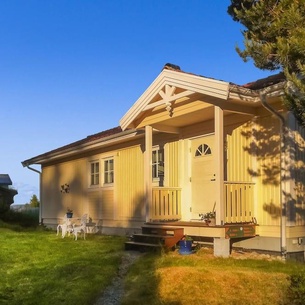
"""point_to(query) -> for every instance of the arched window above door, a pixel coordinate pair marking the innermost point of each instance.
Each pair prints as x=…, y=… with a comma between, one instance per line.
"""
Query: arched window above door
x=203, y=150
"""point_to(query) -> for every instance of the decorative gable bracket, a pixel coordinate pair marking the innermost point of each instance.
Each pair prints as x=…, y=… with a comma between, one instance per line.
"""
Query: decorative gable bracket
x=168, y=97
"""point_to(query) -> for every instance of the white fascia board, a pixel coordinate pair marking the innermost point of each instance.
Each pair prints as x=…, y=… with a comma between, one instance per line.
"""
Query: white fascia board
x=195, y=83
x=113, y=139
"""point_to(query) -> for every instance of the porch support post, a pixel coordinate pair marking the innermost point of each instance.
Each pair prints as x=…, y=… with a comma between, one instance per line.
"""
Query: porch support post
x=148, y=171
x=219, y=159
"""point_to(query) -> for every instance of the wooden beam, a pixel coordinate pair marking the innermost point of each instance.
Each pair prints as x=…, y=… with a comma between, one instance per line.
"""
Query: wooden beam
x=219, y=162
x=166, y=128
x=148, y=171
x=168, y=99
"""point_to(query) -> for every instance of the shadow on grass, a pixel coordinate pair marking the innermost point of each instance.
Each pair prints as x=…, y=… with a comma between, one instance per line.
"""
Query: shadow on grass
x=137, y=291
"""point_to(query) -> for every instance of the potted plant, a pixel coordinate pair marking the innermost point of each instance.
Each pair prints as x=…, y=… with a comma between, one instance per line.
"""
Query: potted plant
x=209, y=217
x=185, y=245
x=69, y=213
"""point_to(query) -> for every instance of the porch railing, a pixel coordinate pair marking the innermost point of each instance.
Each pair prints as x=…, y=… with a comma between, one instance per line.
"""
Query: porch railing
x=239, y=201
x=166, y=203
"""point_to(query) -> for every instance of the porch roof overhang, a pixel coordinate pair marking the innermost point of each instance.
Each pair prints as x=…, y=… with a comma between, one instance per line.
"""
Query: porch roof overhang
x=177, y=99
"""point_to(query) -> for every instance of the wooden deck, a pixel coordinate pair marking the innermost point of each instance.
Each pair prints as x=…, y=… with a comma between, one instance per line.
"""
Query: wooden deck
x=201, y=229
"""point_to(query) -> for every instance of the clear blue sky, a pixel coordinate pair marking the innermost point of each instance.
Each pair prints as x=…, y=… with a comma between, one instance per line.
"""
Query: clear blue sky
x=71, y=68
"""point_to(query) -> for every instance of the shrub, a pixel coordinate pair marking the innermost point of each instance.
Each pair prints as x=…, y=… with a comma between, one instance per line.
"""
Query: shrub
x=26, y=218
x=296, y=291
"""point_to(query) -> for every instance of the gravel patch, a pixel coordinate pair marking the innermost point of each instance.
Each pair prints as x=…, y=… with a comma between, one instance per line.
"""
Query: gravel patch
x=115, y=291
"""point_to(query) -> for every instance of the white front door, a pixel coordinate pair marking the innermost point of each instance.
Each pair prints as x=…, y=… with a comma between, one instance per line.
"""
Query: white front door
x=203, y=175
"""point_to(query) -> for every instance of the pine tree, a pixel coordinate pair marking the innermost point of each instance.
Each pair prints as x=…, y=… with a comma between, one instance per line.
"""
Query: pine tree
x=274, y=38
x=34, y=202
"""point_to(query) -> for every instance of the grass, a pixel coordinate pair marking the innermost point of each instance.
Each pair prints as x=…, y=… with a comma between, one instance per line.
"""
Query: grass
x=39, y=267
x=200, y=278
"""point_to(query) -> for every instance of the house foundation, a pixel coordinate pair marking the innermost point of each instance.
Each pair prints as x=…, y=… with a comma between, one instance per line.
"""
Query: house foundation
x=222, y=247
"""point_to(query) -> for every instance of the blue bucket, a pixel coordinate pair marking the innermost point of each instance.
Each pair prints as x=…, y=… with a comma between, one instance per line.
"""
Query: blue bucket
x=185, y=247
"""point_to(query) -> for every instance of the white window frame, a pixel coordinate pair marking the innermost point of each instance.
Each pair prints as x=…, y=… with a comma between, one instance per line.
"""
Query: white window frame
x=94, y=175
x=203, y=150
x=108, y=172
x=157, y=163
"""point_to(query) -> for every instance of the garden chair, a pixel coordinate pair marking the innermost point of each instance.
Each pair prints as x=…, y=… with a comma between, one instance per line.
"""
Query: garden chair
x=84, y=219
x=82, y=227
x=65, y=227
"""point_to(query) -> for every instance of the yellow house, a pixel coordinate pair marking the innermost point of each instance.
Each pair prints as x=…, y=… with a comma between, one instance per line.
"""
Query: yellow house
x=188, y=146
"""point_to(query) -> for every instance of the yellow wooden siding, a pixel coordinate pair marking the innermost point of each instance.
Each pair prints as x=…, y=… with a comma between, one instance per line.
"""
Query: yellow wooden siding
x=100, y=204
x=297, y=151
x=239, y=158
x=107, y=201
x=129, y=183
x=55, y=203
x=267, y=148
x=253, y=155
x=51, y=196
x=94, y=203
x=172, y=164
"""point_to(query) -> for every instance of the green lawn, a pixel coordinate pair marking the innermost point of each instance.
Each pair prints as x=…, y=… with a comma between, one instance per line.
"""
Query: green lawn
x=39, y=267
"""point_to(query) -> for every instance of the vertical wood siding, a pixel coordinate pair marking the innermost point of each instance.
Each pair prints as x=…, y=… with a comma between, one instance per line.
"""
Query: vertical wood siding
x=129, y=181
x=253, y=155
x=239, y=158
x=100, y=204
x=55, y=203
x=107, y=200
x=172, y=164
x=296, y=198
x=94, y=205
x=267, y=147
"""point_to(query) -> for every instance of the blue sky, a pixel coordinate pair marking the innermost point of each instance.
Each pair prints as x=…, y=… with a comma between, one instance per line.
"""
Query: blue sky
x=71, y=68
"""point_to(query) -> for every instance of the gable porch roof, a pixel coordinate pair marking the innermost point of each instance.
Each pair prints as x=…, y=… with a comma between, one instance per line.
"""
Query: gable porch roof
x=176, y=99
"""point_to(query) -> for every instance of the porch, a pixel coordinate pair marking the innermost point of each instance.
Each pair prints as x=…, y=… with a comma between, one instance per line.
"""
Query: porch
x=156, y=236
x=238, y=204
x=240, y=222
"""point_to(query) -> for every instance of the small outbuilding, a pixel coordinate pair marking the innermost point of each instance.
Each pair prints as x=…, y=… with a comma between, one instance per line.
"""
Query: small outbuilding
x=7, y=193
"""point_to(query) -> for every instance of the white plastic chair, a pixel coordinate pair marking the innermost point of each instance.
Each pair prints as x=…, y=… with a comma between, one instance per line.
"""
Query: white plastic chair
x=84, y=219
x=65, y=227
x=80, y=228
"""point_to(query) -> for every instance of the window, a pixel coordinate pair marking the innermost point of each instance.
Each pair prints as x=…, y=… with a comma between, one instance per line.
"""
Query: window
x=157, y=164
x=108, y=171
x=94, y=173
x=203, y=150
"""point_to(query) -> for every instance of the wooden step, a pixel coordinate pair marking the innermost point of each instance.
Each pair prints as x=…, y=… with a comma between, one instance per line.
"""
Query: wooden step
x=155, y=236
x=143, y=247
x=162, y=230
x=150, y=238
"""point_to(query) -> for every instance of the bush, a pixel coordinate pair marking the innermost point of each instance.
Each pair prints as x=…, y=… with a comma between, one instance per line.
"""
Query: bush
x=296, y=291
x=26, y=218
